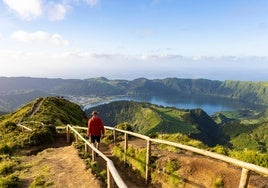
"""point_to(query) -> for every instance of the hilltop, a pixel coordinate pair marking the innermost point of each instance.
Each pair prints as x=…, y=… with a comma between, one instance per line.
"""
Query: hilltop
x=42, y=116
x=48, y=110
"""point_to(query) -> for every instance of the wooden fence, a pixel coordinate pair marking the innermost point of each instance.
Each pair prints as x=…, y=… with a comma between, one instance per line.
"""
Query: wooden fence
x=23, y=128
x=246, y=167
x=112, y=172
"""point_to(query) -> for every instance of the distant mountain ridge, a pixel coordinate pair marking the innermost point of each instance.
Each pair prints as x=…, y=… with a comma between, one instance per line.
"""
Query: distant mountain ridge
x=25, y=88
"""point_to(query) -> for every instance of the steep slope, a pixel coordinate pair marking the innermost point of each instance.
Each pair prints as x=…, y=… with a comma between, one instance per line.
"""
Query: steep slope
x=146, y=118
x=52, y=110
x=42, y=116
x=248, y=91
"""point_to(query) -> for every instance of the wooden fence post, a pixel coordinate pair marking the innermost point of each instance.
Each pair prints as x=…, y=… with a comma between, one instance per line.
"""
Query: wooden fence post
x=110, y=182
x=148, y=156
x=244, y=178
x=86, y=148
x=93, y=154
x=68, y=134
x=125, y=147
x=114, y=134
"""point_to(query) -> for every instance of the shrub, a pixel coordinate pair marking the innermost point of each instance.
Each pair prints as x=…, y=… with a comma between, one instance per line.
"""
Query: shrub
x=40, y=181
x=11, y=181
x=7, y=167
x=124, y=126
x=9, y=126
x=5, y=149
x=172, y=166
x=220, y=150
x=250, y=156
x=218, y=183
x=43, y=135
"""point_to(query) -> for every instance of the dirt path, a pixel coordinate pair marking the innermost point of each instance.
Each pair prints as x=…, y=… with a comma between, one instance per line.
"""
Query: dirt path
x=58, y=167
x=62, y=167
x=36, y=107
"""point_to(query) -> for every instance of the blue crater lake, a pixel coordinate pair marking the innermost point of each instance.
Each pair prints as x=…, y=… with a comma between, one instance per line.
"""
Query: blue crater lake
x=209, y=104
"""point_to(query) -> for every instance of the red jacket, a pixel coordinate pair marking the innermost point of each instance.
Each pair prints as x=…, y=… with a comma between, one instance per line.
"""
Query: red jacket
x=95, y=126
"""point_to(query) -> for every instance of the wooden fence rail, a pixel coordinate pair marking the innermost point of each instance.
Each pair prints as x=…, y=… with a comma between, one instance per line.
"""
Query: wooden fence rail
x=24, y=127
x=246, y=167
x=111, y=170
x=112, y=174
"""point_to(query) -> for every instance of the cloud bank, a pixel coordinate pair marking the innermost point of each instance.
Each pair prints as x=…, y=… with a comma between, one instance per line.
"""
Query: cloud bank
x=32, y=9
x=39, y=37
x=27, y=9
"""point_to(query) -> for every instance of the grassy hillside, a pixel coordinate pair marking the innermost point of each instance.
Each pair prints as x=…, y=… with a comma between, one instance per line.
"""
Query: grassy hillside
x=246, y=129
x=252, y=92
x=241, y=134
x=42, y=115
x=50, y=110
x=146, y=118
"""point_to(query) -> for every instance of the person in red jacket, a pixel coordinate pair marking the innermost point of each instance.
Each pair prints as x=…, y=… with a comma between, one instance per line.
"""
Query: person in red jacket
x=95, y=129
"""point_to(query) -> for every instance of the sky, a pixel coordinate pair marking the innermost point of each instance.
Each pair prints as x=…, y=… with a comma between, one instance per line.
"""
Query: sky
x=129, y=39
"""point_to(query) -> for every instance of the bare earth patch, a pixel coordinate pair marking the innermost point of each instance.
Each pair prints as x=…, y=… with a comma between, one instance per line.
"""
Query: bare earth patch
x=197, y=171
x=59, y=167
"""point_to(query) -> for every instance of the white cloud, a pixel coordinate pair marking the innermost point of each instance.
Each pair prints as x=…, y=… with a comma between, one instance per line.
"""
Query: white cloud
x=39, y=37
x=26, y=9
x=85, y=64
x=57, y=11
x=31, y=9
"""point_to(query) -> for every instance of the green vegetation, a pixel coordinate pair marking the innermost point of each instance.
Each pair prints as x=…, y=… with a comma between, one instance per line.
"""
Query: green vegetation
x=242, y=134
x=218, y=183
x=9, y=181
x=40, y=182
x=171, y=168
x=254, y=157
x=147, y=119
x=41, y=116
x=178, y=138
x=235, y=131
x=136, y=158
x=8, y=166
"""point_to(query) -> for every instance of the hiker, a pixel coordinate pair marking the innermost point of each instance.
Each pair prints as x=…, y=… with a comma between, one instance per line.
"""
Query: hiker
x=95, y=129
